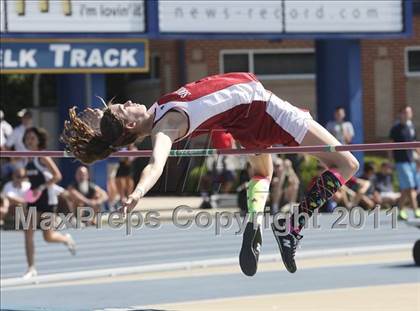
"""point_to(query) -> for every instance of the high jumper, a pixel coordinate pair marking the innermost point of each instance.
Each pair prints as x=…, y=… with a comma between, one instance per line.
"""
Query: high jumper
x=239, y=104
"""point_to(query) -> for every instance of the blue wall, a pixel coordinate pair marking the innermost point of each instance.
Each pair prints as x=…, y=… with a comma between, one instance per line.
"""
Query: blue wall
x=339, y=83
x=71, y=91
x=80, y=90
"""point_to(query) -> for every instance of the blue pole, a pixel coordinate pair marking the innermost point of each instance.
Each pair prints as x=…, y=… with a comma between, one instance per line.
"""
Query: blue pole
x=71, y=91
x=97, y=87
x=338, y=83
x=152, y=18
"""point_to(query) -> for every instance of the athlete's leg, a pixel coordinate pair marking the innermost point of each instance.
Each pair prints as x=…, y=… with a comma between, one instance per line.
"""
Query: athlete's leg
x=262, y=165
x=343, y=162
x=257, y=193
x=341, y=166
x=259, y=185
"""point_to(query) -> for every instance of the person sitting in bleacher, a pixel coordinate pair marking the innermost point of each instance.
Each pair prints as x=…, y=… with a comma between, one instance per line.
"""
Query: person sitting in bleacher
x=384, y=186
x=284, y=185
x=369, y=174
x=85, y=193
x=14, y=190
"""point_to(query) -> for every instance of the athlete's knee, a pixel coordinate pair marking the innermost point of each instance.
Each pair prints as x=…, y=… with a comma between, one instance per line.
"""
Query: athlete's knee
x=353, y=164
x=263, y=173
x=346, y=164
x=350, y=167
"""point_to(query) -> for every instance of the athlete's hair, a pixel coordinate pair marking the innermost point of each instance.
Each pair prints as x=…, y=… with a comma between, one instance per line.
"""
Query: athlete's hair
x=90, y=139
x=40, y=133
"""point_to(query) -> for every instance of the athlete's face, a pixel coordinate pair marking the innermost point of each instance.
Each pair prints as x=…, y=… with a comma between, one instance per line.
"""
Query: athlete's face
x=129, y=111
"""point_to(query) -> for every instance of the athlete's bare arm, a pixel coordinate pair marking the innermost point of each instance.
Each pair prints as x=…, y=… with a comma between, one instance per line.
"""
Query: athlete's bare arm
x=172, y=126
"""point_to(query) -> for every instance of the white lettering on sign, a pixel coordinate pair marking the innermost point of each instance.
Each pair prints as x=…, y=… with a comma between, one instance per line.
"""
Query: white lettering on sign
x=95, y=59
x=64, y=55
x=7, y=59
x=78, y=58
x=59, y=50
x=107, y=58
x=25, y=58
x=128, y=57
x=111, y=57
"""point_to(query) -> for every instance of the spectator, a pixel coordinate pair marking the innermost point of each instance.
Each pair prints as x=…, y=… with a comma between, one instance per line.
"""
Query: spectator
x=384, y=185
x=284, y=184
x=418, y=180
x=244, y=177
x=221, y=174
x=8, y=167
x=297, y=159
x=5, y=130
x=358, y=192
x=222, y=140
x=43, y=174
x=341, y=197
x=404, y=131
x=340, y=129
x=369, y=174
x=15, y=189
x=354, y=193
x=4, y=208
x=85, y=193
x=111, y=187
x=16, y=138
x=123, y=178
x=222, y=167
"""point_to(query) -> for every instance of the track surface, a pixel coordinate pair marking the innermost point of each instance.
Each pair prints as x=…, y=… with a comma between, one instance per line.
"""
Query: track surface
x=109, y=248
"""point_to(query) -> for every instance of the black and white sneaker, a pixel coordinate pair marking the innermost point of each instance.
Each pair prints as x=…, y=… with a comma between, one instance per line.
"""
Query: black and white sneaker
x=250, y=251
x=287, y=245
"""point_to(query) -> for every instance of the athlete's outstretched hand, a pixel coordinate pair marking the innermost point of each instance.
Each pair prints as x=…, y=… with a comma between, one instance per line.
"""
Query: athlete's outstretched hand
x=130, y=203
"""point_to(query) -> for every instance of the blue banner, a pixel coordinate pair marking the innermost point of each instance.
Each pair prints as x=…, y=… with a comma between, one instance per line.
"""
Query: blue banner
x=73, y=55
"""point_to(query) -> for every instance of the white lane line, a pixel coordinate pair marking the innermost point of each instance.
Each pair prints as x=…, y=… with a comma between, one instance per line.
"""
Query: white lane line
x=218, y=249
x=186, y=265
x=137, y=255
x=156, y=244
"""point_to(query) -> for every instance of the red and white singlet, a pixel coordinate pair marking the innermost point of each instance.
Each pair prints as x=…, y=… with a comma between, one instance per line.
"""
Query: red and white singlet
x=239, y=104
